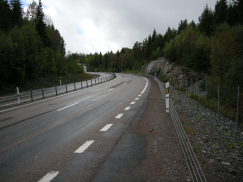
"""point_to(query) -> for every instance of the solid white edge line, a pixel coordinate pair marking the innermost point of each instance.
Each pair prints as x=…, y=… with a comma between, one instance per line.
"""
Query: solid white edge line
x=82, y=148
x=127, y=108
x=106, y=127
x=119, y=116
x=56, y=96
x=145, y=86
x=49, y=176
x=132, y=102
x=67, y=107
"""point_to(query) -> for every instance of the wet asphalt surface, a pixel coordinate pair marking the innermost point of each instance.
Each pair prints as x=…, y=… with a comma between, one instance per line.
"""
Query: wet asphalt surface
x=42, y=138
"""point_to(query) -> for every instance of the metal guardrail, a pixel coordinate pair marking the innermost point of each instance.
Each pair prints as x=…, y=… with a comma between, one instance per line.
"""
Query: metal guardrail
x=194, y=167
x=52, y=91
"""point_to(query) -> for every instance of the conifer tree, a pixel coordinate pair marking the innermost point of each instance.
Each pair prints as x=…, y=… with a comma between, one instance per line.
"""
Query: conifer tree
x=220, y=12
x=232, y=15
x=17, y=14
x=206, y=21
x=239, y=9
x=5, y=15
x=41, y=25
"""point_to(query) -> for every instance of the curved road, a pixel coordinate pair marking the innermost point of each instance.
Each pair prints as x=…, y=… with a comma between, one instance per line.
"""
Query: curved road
x=76, y=137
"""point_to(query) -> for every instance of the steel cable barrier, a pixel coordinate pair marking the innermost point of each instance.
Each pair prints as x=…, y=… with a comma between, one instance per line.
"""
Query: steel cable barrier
x=194, y=167
x=42, y=93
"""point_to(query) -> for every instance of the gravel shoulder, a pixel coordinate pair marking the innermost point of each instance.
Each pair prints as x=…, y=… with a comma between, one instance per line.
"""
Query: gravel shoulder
x=216, y=140
x=164, y=157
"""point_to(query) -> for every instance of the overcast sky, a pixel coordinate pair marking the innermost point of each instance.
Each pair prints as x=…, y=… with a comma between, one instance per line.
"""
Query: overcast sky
x=90, y=26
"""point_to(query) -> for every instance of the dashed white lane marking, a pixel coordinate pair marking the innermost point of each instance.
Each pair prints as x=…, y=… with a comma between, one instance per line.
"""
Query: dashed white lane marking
x=82, y=148
x=136, y=98
x=124, y=83
x=139, y=95
x=67, y=107
x=49, y=176
x=132, y=102
x=145, y=86
x=106, y=127
x=127, y=108
x=119, y=116
x=111, y=89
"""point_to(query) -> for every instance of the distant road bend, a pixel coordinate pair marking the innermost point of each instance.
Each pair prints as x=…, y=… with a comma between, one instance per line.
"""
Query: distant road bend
x=75, y=137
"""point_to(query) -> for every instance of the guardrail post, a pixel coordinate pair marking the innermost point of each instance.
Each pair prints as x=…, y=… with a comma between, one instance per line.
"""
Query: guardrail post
x=74, y=86
x=66, y=88
x=237, y=104
x=218, y=98
x=167, y=97
x=81, y=84
x=18, y=95
x=186, y=85
x=87, y=83
x=95, y=81
x=91, y=82
x=42, y=93
x=31, y=96
x=56, y=89
x=155, y=77
x=206, y=92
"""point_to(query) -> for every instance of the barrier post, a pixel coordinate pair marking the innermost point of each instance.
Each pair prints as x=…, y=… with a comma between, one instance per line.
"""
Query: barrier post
x=237, y=104
x=56, y=89
x=31, y=96
x=42, y=93
x=81, y=84
x=74, y=86
x=87, y=83
x=18, y=95
x=66, y=88
x=167, y=97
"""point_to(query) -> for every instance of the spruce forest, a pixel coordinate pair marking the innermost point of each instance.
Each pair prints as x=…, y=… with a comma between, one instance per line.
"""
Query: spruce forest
x=31, y=47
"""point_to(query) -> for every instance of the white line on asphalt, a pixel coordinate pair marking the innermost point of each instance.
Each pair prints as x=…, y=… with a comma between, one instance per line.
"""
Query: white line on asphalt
x=119, y=116
x=82, y=148
x=139, y=95
x=132, y=102
x=127, y=108
x=145, y=86
x=111, y=89
x=136, y=98
x=57, y=96
x=106, y=127
x=67, y=106
x=49, y=176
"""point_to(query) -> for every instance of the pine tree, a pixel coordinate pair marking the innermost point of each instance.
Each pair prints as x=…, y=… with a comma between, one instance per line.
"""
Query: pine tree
x=239, y=9
x=5, y=15
x=182, y=26
x=16, y=14
x=220, y=12
x=232, y=16
x=41, y=25
x=206, y=21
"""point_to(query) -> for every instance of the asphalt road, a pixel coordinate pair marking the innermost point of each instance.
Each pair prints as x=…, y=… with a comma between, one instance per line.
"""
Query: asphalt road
x=80, y=136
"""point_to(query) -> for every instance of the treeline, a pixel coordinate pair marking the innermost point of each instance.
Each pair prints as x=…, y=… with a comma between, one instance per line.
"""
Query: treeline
x=30, y=46
x=213, y=46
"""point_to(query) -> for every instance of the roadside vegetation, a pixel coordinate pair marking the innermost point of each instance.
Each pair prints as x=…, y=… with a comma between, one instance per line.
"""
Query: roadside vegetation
x=31, y=49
